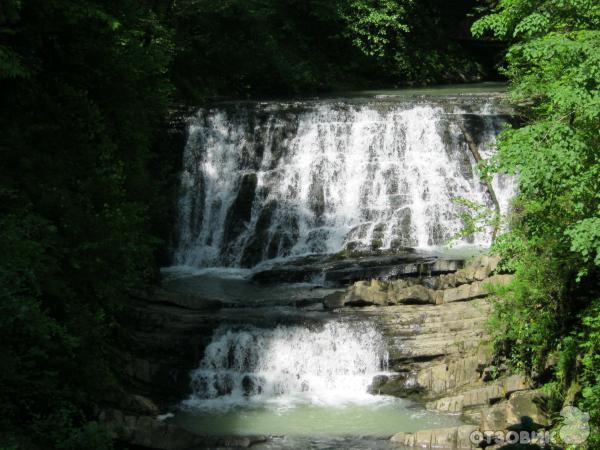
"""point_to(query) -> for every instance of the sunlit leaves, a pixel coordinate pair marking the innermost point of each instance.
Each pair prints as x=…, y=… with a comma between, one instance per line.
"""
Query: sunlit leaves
x=554, y=243
x=376, y=27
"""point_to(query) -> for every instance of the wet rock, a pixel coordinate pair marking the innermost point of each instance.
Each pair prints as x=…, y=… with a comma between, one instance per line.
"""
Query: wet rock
x=334, y=300
x=240, y=211
x=248, y=385
x=164, y=344
x=340, y=270
x=400, y=385
x=378, y=382
x=188, y=301
x=255, y=249
x=316, y=196
x=378, y=235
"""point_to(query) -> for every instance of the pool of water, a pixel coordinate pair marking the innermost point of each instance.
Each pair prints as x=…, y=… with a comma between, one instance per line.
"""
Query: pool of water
x=304, y=381
x=383, y=417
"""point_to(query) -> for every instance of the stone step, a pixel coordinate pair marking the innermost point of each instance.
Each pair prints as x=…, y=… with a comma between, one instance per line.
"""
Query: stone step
x=439, y=438
x=465, y=284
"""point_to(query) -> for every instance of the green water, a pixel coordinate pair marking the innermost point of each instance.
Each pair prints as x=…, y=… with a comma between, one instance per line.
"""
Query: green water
x=379, y=419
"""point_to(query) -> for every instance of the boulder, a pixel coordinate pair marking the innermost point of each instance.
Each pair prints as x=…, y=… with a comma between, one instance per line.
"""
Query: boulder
x=475, y=289
x=523, y=410
x=515, y=383
x=413, y=294
x=468, y=399
x=378, y=382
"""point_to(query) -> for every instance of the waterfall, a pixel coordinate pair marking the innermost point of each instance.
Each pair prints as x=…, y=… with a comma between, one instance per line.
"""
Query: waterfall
x=285, y=365
x=274, y=179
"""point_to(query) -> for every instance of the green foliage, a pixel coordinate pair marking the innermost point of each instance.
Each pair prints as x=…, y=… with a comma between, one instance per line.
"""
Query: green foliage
x=476, y=218
x=248, y=47
x=376, y=27
x=84, y=87
x=589, y=342
x=554, y=242
x=412, y=41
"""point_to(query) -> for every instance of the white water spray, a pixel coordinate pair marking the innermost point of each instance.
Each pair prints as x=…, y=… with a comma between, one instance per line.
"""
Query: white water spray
x=286, y=365
x=267, y=180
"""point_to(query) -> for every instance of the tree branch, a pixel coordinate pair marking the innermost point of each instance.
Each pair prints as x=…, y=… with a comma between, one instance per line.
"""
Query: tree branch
x=488, y=184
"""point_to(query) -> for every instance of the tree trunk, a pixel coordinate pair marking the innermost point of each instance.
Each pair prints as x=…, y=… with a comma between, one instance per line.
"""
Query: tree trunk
x=488, y=184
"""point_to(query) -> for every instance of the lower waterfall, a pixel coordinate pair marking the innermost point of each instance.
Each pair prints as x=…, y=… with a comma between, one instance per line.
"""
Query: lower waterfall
x=302, y=384
x=331, y=364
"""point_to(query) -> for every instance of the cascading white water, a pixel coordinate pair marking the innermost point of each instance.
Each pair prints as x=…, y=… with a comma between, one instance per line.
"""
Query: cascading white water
x=266, y=180
x=286, y=365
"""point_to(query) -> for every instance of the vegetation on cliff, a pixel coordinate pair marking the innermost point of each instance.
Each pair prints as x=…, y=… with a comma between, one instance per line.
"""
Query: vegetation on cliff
x=548, y=323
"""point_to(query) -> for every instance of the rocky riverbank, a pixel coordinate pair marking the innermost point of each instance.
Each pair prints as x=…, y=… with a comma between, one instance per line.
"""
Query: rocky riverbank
x=440, y=350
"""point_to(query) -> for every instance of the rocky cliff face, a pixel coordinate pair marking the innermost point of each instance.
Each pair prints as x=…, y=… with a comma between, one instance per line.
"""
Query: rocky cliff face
x=440, y=350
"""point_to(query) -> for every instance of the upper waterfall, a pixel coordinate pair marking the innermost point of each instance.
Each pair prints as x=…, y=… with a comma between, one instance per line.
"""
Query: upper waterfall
x=273, y=179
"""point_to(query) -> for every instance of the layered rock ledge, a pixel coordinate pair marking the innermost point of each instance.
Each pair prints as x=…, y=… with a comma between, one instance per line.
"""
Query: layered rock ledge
x=440, y=351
